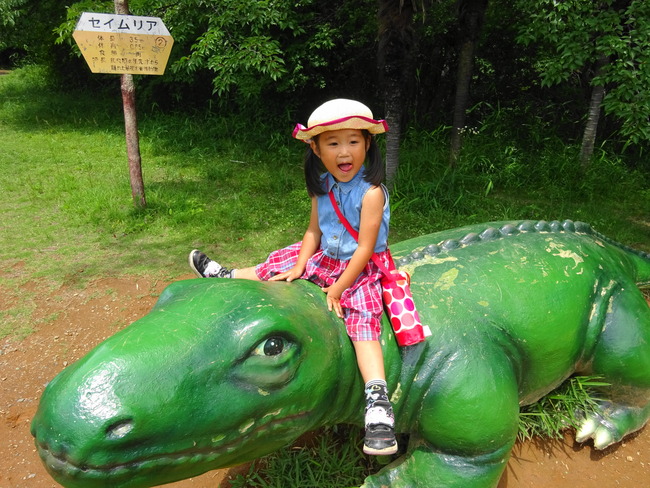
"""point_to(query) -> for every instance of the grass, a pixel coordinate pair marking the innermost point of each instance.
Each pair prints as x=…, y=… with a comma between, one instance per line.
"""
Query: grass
x=561, y=409
x=66, y=190
x=333, y=459
x=235, y=189
x=499, y=178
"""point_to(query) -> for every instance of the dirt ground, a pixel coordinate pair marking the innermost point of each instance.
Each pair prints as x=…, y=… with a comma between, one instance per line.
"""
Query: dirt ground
x=71, y=320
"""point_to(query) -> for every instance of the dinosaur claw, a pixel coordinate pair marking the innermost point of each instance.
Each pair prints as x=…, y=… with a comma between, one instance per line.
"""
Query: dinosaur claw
x=611, y=423
x=587, y=430
x=603, y=438
x=599, y=430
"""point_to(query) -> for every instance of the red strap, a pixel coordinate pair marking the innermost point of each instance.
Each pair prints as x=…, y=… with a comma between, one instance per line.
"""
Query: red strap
x=342, y=218
x=355, y=234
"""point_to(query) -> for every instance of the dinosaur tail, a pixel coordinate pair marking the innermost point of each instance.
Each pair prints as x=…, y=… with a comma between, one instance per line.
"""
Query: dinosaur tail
x=640, y=259
x=641, y=267
x=643, y=272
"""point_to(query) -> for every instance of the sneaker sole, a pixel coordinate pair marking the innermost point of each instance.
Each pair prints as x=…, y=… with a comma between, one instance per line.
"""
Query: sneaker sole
x=386, y=451
x=191, y=262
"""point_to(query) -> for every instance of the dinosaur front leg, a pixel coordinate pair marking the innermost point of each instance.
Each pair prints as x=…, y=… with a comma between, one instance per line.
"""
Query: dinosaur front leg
x=467, y=427
x=423, y=467
x=622, y=356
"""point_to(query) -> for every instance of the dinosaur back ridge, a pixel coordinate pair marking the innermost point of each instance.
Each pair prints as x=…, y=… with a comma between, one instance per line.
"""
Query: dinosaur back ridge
x=503, y=230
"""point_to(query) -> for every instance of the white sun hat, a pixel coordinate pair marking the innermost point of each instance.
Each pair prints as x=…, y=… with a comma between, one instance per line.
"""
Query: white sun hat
x=339, y=113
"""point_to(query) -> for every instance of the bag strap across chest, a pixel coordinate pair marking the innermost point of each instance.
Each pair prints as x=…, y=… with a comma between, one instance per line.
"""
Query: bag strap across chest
x=355, y=234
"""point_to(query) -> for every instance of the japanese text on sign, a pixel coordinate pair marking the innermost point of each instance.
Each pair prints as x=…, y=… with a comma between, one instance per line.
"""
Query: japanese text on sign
x=121, y=23
x=112, y=43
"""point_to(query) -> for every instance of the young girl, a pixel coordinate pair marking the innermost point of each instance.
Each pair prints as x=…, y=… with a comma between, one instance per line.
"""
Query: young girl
x=339, y=134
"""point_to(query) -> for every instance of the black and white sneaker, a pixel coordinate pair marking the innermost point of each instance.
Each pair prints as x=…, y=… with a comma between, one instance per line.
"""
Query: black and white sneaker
x=204, y=267
x=379, y=440
x=380, y=433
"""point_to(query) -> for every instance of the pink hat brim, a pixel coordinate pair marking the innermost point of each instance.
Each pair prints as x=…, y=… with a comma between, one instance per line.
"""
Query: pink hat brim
x=353, y=122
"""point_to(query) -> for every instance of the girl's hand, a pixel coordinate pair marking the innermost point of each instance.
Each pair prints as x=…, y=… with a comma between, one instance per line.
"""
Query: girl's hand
x=292, y=274
x=334, y=301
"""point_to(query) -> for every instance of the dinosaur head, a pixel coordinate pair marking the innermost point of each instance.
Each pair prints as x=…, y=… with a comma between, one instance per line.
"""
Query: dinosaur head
x=218, y=373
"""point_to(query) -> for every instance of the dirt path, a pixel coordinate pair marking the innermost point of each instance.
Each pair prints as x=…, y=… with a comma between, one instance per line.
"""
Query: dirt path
x=72, y=321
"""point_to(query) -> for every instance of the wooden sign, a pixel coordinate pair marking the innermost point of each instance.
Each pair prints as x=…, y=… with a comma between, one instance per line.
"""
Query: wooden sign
x=123, y=44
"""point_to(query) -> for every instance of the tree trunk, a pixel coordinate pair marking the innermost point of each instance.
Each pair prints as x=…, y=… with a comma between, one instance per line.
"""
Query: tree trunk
x=461, y=101
x=132, y=141
x=470, y=21
x=131, y=127
x=393, y=137
x=591, y=128
x=394, y=55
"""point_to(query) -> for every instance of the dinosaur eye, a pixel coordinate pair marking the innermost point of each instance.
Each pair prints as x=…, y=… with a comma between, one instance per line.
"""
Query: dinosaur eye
x=271, y=363
x=270, y=347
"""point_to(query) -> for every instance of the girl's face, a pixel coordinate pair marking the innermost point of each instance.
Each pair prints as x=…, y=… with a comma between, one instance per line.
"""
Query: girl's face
x=342, y=152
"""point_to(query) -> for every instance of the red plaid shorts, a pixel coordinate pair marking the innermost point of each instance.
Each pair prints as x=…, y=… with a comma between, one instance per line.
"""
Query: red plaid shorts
x=362, y=302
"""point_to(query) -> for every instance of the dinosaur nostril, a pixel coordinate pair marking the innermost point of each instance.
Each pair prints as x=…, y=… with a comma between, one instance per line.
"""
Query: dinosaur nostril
x=119, y=429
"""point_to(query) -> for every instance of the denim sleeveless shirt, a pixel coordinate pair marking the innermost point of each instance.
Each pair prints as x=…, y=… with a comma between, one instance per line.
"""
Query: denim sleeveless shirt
x=336, y=242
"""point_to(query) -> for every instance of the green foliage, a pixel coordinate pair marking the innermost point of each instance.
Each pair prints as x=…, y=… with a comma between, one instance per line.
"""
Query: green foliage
x=26, y=30
x=515, y=164
x=241, y=42
x=65, y=30
x=251, y=48
x=270, y=57
x=11, y=11
x=519, y=149
x=628, y=74
x=576, y=34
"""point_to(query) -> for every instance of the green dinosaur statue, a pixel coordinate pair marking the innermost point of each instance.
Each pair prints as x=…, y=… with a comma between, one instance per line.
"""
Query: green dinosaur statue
x=221, y=372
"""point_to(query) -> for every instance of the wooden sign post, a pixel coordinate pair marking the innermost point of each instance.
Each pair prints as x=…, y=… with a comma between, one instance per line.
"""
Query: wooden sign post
x=126, y=45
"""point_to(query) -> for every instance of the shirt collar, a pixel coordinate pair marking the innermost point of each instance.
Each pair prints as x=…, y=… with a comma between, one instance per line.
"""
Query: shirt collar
x=346, y=186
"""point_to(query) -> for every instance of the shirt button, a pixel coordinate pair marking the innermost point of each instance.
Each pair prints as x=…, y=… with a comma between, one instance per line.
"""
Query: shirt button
x=335, y=237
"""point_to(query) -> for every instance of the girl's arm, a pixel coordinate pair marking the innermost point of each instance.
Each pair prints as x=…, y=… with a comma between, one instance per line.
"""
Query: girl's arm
x=372, y=209
x=310, y=244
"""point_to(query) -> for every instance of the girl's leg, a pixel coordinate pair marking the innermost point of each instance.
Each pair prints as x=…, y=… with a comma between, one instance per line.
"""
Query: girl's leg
x=370, y=359
x=277, y=262
x=245, y=274
x=379, y=419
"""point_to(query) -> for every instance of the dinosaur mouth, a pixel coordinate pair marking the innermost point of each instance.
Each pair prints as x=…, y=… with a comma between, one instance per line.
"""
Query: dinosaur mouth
x=63, y=469
x=175, y=466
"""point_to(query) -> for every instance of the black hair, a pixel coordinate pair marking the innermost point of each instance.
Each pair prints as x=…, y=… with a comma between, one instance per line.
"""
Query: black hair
x=375, y=170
